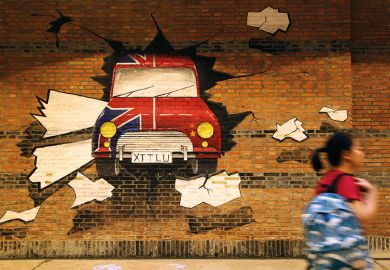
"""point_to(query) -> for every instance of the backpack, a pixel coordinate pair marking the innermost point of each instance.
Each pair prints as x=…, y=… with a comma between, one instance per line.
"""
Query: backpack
x=330, y=224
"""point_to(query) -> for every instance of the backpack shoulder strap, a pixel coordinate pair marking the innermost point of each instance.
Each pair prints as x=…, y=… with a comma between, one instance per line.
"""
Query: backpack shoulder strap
x=333, y=186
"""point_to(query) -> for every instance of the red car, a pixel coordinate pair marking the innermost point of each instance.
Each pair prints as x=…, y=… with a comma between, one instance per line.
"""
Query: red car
x=156, y=115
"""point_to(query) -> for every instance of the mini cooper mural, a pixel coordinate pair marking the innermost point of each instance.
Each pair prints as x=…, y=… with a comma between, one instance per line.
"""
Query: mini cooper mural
x=156, y=115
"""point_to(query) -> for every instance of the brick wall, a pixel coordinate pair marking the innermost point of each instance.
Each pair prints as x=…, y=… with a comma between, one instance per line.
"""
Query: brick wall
x=370, y=64
x=335, y=53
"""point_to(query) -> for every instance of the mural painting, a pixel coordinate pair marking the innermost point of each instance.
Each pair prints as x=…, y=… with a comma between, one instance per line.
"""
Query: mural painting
x=154, y=128
x=156, y=115
x=154, y=122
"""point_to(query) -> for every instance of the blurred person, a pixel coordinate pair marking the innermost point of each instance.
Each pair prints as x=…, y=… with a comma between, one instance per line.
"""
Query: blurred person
x=342, y=207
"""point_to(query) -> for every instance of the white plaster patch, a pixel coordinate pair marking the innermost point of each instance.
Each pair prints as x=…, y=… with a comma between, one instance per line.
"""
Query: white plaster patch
x=291, y=129
x=26, y=216
x=87, y=190
x=56, y=162
x=216, y=190
x=269, y=20
x=336, y=115
x=64, y=113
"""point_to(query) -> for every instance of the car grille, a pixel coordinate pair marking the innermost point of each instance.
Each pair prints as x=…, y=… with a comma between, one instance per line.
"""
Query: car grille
x=170, y=141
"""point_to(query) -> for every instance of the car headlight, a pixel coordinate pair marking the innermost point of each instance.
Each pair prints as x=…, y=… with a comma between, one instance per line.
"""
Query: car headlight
x=205, y=130
x=108, y=129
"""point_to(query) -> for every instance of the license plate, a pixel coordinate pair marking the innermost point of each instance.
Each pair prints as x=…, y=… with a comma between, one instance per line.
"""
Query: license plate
x=151, y=157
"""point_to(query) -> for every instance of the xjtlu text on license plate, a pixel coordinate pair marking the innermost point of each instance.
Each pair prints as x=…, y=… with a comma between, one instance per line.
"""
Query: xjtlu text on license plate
x=151, y=157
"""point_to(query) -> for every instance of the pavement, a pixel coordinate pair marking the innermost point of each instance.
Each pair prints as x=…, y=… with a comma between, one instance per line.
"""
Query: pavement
x=163, y=264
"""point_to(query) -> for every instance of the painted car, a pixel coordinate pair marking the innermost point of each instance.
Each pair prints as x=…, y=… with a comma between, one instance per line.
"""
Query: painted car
x=156, y=115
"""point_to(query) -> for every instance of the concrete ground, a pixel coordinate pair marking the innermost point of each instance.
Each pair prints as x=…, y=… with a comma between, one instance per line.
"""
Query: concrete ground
x=162, y=264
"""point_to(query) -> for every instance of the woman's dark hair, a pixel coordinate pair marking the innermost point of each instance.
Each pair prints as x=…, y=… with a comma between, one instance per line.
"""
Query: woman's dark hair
x=334, y=147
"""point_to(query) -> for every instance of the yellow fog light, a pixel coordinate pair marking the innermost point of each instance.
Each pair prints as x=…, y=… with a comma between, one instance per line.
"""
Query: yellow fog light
x=205, y=130
x=205, y=144
x=108, y=129
x=107, y=144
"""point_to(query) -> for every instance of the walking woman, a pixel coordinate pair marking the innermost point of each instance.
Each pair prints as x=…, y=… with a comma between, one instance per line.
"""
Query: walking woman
x=335, y=219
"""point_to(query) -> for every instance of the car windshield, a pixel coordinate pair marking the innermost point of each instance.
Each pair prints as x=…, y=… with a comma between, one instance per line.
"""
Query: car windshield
x=155, y=82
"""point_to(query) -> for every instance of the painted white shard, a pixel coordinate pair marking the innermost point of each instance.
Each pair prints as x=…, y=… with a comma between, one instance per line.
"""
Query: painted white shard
x=336, y=115
x=87, y=190
x=291, y=129
x=216, y=190
x=26, y=216
x=58, y=161
x=64, y=113
x=269, y=20
x=192, y=192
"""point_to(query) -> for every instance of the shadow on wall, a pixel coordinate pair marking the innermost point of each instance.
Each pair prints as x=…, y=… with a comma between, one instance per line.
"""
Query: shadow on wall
x=303, y=154
x=240, y=217
x=19, y=232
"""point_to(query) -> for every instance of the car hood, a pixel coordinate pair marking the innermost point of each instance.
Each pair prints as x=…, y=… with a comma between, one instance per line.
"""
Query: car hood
x=165, y=113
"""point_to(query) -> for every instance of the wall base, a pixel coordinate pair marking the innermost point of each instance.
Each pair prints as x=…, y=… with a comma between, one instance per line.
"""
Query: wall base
x=380, y=247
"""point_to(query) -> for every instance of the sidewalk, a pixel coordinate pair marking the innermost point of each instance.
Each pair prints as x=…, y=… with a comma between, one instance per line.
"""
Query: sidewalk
x=161, y=264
